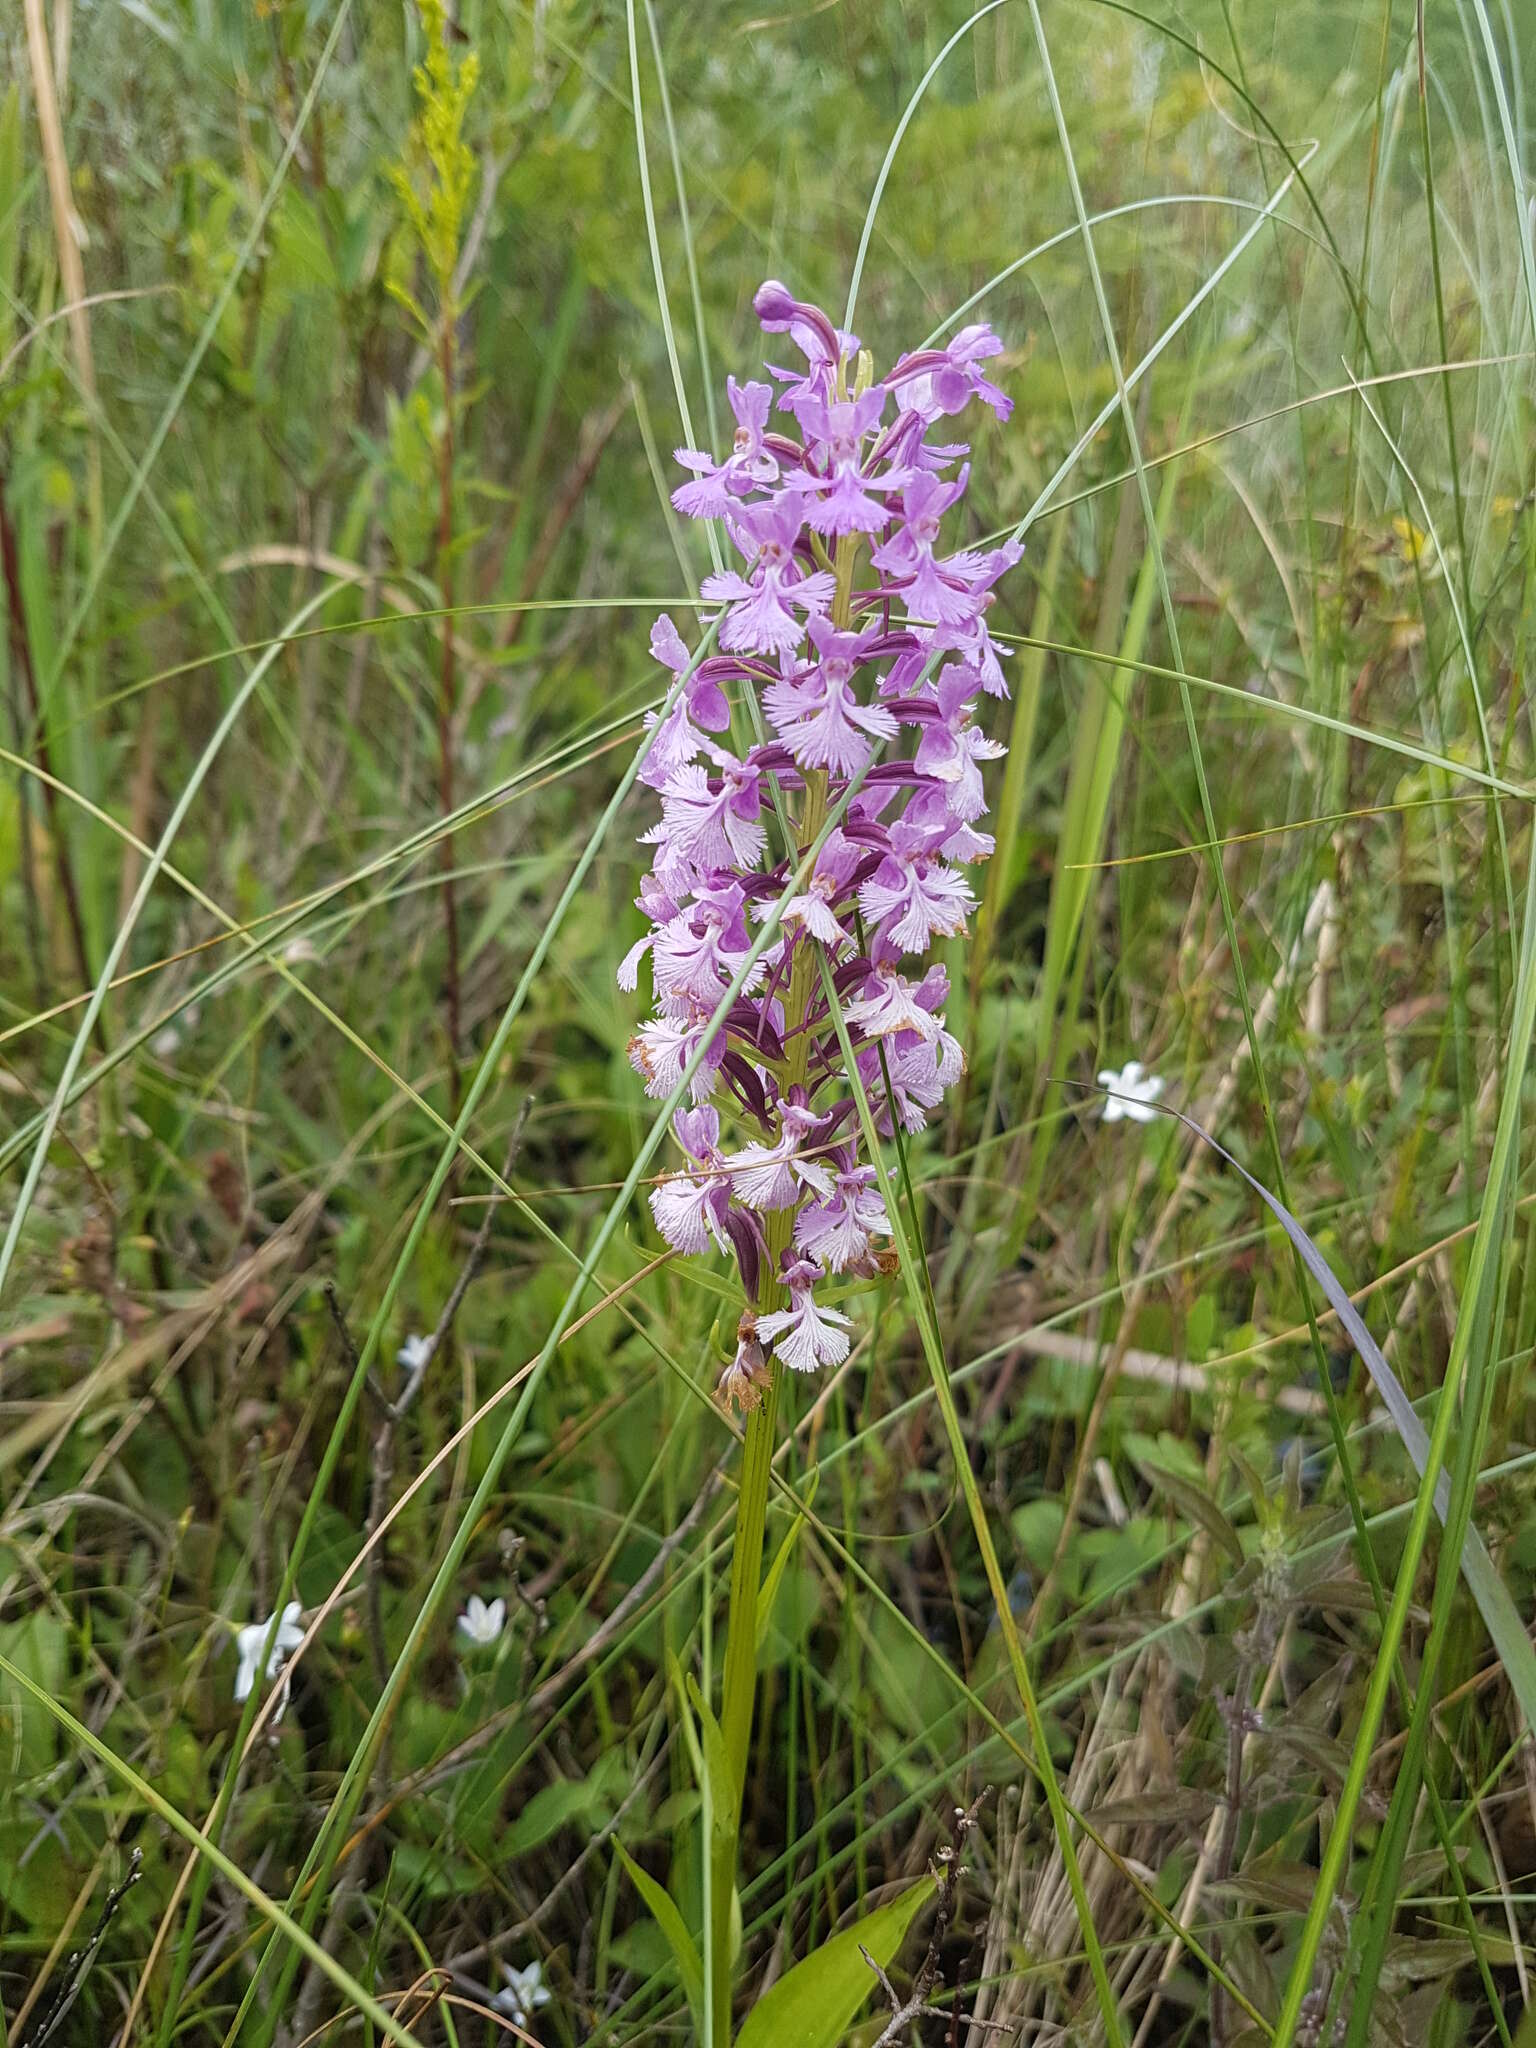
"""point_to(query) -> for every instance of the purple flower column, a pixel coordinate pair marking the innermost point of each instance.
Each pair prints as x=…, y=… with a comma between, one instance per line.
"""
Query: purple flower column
x=837, y=661
x=837, y=673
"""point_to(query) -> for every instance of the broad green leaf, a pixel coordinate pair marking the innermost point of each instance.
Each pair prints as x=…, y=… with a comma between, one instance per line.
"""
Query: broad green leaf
x=433, y=1874
x=36, y=1890
x=814, y=2004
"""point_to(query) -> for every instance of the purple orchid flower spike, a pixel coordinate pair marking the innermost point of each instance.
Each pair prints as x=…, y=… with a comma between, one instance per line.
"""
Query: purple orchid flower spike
x=874, y=672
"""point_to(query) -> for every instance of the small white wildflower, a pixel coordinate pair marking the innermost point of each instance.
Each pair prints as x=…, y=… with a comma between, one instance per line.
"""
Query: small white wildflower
x=1132, y=1093
x=482, y=1624
x=299, y=952
x=248, y=1642
x=414, y=1353
x=167, y=1040
x=526, y=1990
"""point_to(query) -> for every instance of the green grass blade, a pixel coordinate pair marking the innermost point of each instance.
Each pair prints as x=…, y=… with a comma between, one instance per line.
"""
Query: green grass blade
x=231, y=1872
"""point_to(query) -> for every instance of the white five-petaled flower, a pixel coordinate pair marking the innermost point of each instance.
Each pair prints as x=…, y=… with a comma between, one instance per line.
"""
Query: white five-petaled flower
x=248, y=1642
x=526, y=1990
x=483, y=1624
x=414, y=1353
x=1132, y=1093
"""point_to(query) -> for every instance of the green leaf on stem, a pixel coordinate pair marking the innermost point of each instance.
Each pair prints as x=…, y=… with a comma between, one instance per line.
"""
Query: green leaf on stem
x=814, y=2004
x=664, y=1911
x=771, y=1584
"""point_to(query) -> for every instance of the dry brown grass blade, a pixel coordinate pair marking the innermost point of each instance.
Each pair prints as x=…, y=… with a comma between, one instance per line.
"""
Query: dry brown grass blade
x=123, y=1363
x=66, y=233
x=56, y=169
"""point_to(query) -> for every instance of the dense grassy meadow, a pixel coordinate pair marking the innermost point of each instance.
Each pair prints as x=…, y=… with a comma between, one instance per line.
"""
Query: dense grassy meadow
x=1141, y=1650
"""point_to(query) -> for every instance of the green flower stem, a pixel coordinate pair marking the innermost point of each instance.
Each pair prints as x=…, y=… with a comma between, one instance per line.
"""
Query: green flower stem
x=740, y=1683
x=740, y=1687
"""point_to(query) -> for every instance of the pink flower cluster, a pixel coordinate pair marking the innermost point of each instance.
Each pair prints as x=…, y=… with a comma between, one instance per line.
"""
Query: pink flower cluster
x=845, y=624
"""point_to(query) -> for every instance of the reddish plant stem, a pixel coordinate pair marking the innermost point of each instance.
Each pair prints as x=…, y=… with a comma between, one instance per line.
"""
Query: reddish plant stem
x=21, y=646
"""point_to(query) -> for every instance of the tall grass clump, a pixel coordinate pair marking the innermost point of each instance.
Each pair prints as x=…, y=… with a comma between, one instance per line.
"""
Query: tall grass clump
x=960, y=1469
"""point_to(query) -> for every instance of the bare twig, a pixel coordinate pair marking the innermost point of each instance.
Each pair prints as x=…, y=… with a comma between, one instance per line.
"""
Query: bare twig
x=1242, y=1721
x=1175, y=1373
x=472, y=1264
x=606, y=1630
x=1264, y=1016
x=306, y=2006
x=79, y=1964
x=596, y=432
x=645, y=1776
x=947, y=1871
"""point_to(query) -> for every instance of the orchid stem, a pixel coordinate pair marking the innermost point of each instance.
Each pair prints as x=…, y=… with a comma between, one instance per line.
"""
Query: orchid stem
x=740, y=1683
x=740, y=1686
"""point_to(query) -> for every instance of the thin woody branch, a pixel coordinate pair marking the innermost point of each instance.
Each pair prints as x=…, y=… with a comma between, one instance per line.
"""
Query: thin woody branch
x=946, y=1870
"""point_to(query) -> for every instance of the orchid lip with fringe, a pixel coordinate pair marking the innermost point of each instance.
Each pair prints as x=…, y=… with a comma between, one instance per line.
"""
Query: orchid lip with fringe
x=837, y=673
